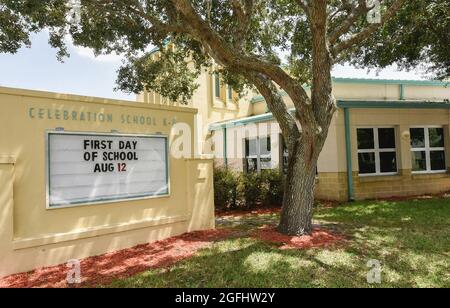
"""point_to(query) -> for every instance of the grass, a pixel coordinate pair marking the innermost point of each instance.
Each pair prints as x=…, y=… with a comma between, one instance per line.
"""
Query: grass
x=411, y=239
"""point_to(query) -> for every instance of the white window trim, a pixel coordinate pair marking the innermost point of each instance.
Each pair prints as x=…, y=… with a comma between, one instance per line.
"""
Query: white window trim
x=377, y=151
x=427, y=149
x=258, y=155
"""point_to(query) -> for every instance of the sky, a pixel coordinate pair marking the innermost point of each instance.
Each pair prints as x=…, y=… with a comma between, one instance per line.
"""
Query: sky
x=82, y=73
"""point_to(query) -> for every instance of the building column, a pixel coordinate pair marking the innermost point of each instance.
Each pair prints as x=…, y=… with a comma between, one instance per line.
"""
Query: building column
x=351, y=153
x=404, y=150
x=275, y=140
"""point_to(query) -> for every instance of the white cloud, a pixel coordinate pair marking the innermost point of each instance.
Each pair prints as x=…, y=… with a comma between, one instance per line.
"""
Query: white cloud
x=88, y=53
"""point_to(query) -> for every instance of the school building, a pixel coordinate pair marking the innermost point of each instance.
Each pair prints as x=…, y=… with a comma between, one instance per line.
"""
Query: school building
x=388, y=137
x=83, y=176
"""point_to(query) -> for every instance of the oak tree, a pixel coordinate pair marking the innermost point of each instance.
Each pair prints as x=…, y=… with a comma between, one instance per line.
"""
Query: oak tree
x=247, y=39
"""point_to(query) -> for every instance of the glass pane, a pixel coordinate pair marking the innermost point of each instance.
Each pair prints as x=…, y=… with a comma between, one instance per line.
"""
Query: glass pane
x=217, y=84
x=388, y=162
x=419, y=161
x=436, y=137
x=417, y=137
x=251, y=147
x=266, y=163
x=230, y=93
x=365, y=139
x=252, y=165
x=437, y=160
x=366, y=163
x=386, y=138
x=265, y=146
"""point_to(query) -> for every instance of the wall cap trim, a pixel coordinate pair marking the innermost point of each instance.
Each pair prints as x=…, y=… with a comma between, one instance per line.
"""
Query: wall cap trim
x=7, y=160
x=92, y=100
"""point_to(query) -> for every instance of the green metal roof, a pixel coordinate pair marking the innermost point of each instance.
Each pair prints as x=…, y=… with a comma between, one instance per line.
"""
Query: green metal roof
x=240, y=122
x=166, y=42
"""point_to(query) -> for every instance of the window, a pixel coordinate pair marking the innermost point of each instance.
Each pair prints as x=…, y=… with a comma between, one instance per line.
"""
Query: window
x=230, y=94
x=428, y=149
x=217, y=85
x=377, y=152
x=258, y=154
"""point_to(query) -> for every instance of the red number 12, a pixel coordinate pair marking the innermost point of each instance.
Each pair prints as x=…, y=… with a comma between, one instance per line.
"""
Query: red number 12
x=122, y=167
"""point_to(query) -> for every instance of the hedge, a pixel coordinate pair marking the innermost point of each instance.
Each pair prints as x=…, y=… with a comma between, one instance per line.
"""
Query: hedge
x=234, y=190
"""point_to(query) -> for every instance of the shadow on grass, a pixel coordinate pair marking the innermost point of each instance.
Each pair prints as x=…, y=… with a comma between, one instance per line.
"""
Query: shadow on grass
x=410, y=239
x=261, y=265
x=434, y=213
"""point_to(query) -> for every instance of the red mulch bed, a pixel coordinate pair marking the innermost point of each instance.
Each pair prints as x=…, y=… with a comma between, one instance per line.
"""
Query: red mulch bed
x=104, y=269
x=320, y=238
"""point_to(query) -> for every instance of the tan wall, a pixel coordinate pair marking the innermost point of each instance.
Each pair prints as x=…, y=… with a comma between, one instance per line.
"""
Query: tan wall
x=332, y=186
x=405, y=183
x=366, y=91
x=374, y=91
x=430, y=93
x=34, y=236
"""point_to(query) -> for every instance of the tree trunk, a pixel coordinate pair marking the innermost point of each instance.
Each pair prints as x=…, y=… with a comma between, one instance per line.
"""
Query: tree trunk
x=298, y=202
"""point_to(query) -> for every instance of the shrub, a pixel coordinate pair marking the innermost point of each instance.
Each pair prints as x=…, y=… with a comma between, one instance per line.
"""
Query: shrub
x=249, y=190
x=275, y=187
x=252, y=189
x=225, y=188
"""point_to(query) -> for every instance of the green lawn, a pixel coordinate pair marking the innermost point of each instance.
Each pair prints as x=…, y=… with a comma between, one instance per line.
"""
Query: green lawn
x=410, y=238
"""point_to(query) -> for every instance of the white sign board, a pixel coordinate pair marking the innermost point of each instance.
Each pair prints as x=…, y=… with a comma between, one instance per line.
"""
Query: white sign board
x=95, y=168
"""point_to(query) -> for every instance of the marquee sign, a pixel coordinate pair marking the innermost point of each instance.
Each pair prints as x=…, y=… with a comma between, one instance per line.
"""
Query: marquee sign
x=88, y=168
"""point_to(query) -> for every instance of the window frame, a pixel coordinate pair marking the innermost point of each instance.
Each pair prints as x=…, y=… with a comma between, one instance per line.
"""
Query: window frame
x=217, y=86
x=377, y=151
x=258, y=155
x=427, y=149
x=229, y=94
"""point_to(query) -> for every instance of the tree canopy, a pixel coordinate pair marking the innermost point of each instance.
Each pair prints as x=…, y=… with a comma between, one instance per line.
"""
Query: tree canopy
x=274, y=31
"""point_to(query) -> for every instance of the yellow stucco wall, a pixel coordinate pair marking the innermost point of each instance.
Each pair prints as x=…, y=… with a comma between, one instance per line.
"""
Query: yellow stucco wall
x=32, y=236
x=211, y=109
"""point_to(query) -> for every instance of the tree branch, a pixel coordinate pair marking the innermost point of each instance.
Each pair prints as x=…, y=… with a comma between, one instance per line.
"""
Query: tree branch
x=343, y=28
x=238, y=61
x=304, y=4
x=364, y=34
x=242, y=12
x=275, y=103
